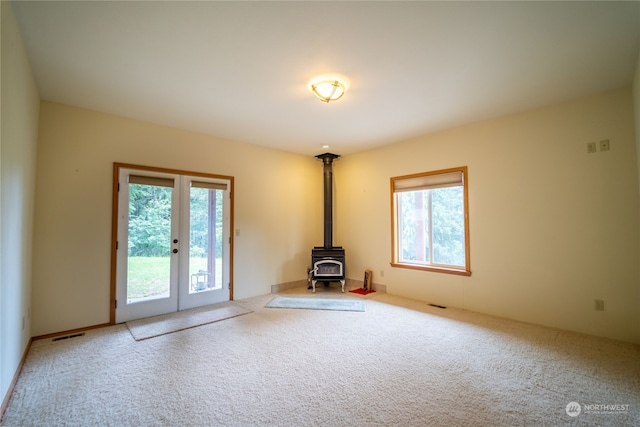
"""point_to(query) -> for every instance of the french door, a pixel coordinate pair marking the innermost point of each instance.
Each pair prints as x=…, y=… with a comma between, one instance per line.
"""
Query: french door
x=173, y=245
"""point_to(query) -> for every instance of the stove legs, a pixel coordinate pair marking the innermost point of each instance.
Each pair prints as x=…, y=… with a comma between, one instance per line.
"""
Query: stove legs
x=313, y=285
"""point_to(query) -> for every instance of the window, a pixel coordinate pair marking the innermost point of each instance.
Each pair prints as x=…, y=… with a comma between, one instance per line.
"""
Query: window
x=430, y=221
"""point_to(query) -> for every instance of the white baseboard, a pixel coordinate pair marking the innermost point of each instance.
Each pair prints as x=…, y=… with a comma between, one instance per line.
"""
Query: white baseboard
x=288, y=285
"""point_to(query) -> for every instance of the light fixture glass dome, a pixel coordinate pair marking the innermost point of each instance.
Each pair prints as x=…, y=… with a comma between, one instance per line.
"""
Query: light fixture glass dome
x=328, y=88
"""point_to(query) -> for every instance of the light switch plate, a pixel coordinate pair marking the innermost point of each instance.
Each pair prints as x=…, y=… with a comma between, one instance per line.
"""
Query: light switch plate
x=604, y=145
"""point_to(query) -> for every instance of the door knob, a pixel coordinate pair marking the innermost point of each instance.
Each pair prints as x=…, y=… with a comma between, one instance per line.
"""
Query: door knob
x=175, y=251
x=175, y=240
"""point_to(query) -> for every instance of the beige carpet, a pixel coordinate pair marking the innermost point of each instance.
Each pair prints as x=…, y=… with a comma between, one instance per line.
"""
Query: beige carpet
x=400, y=363
x=155, y=326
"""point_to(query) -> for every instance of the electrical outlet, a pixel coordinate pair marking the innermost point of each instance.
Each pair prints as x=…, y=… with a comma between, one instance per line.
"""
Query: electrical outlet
x=598, y=304
x=604, y=145
x=381, y=273
x=591, y=147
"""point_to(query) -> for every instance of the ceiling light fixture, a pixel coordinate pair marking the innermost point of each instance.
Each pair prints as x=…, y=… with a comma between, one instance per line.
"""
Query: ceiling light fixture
x=329, y=88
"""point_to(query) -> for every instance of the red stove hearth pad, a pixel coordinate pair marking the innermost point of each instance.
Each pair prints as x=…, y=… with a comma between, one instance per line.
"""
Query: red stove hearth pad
x=361, y=291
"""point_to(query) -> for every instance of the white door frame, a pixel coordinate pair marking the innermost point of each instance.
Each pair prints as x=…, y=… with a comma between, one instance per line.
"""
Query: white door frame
x=117, y=271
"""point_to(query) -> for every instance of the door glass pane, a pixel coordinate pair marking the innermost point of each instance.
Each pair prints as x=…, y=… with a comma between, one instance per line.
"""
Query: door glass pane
x=205, y=239
x=149, y=242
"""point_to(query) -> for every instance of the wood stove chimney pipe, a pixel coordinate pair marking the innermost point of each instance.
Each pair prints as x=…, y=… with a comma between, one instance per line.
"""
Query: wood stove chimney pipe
x=327, y=159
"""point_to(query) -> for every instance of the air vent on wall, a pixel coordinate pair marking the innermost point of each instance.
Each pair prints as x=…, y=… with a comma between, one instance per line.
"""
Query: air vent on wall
x=437, y=306
x=66, y=337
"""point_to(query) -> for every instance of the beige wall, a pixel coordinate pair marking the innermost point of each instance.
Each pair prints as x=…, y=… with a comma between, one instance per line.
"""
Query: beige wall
x=551, y=227
x=636, y=104
x=278, y=217
x=636, y=111
x=17, y=177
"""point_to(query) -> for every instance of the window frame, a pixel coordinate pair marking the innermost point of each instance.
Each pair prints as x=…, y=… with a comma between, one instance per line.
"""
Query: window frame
x=463, y=270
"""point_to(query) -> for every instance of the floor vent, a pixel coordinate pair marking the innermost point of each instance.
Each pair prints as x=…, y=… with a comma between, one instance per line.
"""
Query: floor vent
x=438, y=306
x=66, y=337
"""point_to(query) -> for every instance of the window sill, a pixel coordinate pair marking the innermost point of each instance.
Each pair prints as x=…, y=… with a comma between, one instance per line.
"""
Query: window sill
x=446, y=270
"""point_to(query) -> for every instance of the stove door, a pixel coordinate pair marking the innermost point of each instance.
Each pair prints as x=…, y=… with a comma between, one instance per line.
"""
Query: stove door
x=328, y=268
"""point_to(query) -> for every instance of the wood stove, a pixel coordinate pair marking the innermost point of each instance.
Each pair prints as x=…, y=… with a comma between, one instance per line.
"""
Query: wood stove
x=328, y=261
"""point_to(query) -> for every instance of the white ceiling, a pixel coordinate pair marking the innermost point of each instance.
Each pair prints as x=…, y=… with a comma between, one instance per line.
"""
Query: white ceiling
x=239, y=70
